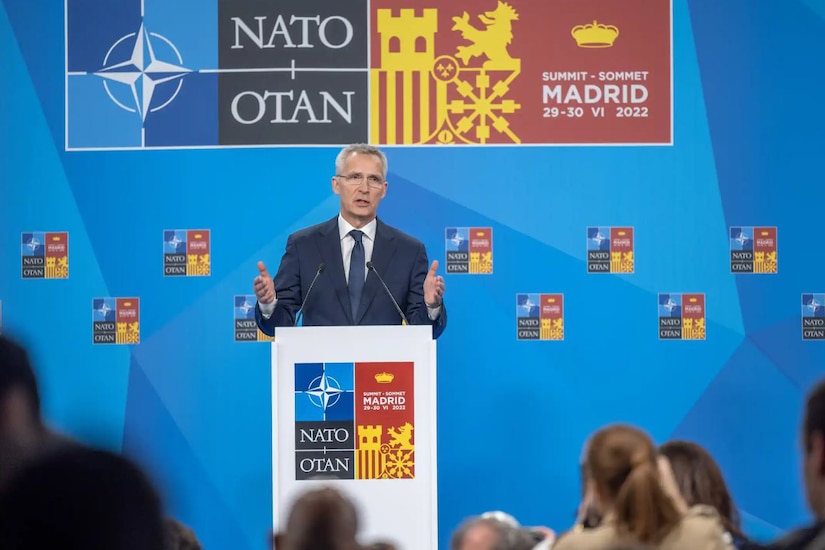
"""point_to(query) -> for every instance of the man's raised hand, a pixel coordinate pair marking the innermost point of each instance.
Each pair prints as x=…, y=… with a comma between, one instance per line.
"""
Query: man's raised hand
x=433, y=286
x=264, y=286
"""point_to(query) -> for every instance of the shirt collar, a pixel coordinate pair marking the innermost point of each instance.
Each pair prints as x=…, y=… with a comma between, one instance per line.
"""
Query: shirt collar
x=344, y=227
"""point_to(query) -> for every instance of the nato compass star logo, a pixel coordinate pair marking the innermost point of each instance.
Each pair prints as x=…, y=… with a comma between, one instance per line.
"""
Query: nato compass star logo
x=138, y=76
x=132, y=65
x=530, y=308
x=598, y=238
x=742, y=238
x=457, y=240
x=324, y=392
x=246, y=307
x=33, y=244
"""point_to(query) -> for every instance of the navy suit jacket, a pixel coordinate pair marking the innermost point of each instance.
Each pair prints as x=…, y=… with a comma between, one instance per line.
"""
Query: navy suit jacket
x=399, y=258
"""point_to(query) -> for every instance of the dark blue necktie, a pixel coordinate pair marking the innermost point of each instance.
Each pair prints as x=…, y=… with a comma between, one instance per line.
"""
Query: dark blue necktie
x=357, y=265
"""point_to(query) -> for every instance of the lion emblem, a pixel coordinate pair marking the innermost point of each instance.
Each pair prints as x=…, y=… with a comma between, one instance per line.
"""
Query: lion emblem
x=492, y=40
x=400, y=437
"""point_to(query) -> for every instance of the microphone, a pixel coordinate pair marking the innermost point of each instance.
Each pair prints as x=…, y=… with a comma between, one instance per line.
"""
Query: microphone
x=298, y=315
x=398, y=309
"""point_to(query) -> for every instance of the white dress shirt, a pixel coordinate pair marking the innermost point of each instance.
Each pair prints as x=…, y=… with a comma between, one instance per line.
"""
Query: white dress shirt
x=347, y=244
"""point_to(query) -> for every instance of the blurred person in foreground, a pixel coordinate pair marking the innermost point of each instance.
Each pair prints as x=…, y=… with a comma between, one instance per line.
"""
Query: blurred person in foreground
x=813, y=474
x=634, y=492
x=492, y=531
x=23, y=434
x=179, y=536
x=700, y=481
x=542, y=537
x=80, y=498
x=322, y=519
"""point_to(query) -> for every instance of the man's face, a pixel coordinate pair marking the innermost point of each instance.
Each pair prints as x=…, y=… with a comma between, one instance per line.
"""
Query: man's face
x=361, y=187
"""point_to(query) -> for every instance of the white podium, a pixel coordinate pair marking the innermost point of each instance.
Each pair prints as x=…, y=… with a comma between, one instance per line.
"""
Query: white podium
x=355, y=408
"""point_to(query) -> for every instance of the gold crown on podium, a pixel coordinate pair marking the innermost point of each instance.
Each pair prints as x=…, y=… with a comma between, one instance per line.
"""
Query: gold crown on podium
x=384, y=377
x=595, y=35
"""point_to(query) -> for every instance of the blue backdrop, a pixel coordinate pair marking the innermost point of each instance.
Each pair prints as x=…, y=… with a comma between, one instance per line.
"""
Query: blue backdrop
x=193, y=406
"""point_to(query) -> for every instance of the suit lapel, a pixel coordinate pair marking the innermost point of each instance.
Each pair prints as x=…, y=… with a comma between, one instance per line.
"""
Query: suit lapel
x=382, y=252
x=330, y=245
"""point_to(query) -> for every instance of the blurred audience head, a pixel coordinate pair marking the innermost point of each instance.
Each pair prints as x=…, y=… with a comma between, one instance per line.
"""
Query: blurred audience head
x=622, y=464
x=80, y=498
x=503, y=517
x=700, y=481
x=320, y=519
x=21, y=428
x=492, y=531
x=813, y=441
x=179, y=536
x=588, y=514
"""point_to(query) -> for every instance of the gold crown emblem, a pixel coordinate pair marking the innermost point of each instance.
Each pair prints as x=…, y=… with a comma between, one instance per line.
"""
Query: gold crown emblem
x=622, y=233
x=594, y=35
x=56, y=238
x=384, y=377
x=766, y=233
x=693, y=300
x=127, y=304
x=551, y=300
x=198, y=235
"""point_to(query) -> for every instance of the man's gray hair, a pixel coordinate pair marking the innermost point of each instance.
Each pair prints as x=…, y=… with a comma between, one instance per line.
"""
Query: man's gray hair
x=507, y=536
x=360, y=149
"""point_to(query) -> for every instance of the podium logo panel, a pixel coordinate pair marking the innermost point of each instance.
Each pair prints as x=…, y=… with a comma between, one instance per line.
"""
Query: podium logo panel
x=469, y=250
x=44, y=255
x=115, y=320
x=324, y=421
x=610, y=250
x=813, y=316
x=682, y=316
x=540, y=316
x=246, y=329
x=354, y=420
x=186, y=252
x=385, y=420
x=753, y=250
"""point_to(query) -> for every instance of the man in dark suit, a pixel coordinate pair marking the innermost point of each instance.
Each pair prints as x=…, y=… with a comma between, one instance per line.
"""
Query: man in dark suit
x=346, y=292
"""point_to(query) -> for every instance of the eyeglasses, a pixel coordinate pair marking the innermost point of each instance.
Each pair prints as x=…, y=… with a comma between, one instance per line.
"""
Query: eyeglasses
x=358, y=178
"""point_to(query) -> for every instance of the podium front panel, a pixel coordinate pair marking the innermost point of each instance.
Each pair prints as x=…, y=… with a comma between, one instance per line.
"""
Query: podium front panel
x=354, y=408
